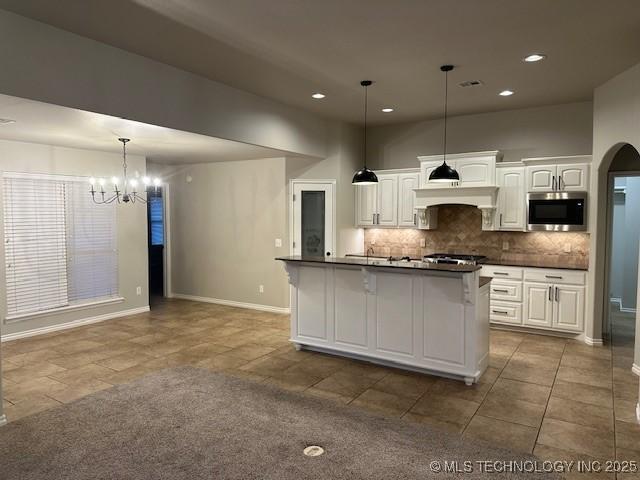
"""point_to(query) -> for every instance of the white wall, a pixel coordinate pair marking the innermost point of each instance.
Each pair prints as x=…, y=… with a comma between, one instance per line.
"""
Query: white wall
x=531, y=132
x=618, y=241
x=224, y=223
x=616, y=122
x=131, y=224
x=631, y=245
x=44, y=63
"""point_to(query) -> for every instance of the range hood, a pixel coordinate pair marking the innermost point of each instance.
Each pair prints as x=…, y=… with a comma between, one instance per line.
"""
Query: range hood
x=484, y=198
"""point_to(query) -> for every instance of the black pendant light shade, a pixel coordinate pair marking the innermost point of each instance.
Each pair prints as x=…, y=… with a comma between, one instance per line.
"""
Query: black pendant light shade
x=444, y=173
x=364, y=176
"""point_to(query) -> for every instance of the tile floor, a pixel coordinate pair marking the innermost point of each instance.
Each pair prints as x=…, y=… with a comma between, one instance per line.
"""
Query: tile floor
x=557, y=398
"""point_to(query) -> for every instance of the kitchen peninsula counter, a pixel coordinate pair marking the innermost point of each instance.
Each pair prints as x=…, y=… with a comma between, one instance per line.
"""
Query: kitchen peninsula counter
x=418, y=316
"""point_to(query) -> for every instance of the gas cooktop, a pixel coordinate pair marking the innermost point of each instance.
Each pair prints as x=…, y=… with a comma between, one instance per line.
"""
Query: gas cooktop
x=454, y=258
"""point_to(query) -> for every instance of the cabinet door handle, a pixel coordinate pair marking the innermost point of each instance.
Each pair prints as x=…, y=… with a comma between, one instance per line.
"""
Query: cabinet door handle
x=500, y=311
x=500, y=273
x=378, y=218
x=557, y=295
x=556, y=277
x=415, y=219
x=373, y=220
x=553, y=183
x=498, y=290
x=550, y=294
x=500, y=219
x=560, y=183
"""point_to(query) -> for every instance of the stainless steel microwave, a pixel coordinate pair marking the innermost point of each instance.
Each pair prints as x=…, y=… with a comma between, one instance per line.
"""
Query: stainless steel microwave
x=557, y=211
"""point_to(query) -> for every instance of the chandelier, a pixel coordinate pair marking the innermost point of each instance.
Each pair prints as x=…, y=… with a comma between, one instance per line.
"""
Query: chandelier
x=122, y=191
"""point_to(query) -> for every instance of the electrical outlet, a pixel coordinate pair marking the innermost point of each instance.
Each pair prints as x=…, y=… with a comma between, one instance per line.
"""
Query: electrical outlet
x=278, y=242
x=423, y=243
x=138, y=290
x=261, y=289
x=373, y=241
x=505, y=245
x=567, y=248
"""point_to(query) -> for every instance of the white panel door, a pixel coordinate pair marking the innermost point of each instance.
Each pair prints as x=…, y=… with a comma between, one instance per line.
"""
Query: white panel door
x=573, y=177
x=312, y=301
x=541, y=178
x=511, y=199
x=477, y=172
x=366, y=204
x=407, y=182
x=568, y=308
x=443, y=320
x=538, y=304
x=313, y=220
x=394, y=313
x=350, y=308
x=387, y=214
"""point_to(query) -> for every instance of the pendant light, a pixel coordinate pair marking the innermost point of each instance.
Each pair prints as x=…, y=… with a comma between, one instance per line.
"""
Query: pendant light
x=444, y=173
x=365, y=176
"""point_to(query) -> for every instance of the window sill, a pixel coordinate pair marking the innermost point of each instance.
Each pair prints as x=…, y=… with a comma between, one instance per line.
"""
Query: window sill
x=56, y=311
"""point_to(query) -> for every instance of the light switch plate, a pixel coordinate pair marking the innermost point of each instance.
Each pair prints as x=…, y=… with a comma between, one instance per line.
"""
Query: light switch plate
x=278, y=242
x=567, y=248
x=505, y=245
x=423, y=243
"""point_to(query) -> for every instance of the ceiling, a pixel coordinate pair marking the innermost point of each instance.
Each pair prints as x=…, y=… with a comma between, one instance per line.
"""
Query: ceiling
x=38, y=122
x=288, y=49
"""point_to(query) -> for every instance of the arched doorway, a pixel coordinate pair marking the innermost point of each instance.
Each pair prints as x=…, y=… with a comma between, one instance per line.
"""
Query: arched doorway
x=621, y=251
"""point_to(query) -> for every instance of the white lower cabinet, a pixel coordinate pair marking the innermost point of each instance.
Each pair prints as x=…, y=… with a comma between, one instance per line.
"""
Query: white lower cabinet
x=537, y=305
x=550, y=299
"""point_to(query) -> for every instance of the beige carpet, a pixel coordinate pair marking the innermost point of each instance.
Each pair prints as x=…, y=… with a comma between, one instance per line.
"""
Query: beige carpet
x=188, y=423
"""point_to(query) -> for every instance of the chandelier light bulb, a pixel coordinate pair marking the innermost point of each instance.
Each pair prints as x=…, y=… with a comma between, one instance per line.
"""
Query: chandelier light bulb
x=92, y=181
x=146, y=180
x=156, y=182
x=133, y=182
x=115, y=180
x=101, y=182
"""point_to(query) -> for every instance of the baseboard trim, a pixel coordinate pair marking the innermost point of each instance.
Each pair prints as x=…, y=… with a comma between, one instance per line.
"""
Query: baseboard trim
x=635, y=368
x=232, y=303
x=75, y=323
x=593, y=342
x=638, y=412
x=3, y=420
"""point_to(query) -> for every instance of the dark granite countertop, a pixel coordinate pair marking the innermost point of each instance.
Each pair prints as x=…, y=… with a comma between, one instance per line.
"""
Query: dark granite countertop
x=484, y=281
x=541, y=262
x=382, y=263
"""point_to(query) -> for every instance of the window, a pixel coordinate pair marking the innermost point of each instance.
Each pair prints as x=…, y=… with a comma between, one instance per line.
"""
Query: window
x=60, y=248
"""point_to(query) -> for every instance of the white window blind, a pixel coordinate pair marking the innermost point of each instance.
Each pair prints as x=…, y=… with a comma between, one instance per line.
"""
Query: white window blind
x=60, y=248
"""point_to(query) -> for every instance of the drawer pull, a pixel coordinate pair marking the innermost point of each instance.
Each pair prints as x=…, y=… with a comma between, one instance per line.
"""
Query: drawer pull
x=500, y=290
x=500, y=311
x=500, y=273
x=557, y=277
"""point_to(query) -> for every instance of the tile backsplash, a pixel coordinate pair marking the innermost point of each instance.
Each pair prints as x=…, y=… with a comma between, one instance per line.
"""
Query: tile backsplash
x=459, y=231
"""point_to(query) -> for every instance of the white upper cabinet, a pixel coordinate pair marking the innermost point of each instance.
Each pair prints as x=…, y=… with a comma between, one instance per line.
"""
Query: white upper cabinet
x=387, y=214
x=542, y=178
x=511, y=199
x=573, y=177
x=558, y=174
x=366, y=205
x=407, y=182
x=476, y=169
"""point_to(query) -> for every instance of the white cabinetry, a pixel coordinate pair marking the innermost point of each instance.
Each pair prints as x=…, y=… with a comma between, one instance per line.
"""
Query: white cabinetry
x=407, y=183
x=476, y=169
x=391, y=202
x=550, y=299
x=557, y=174
x=511, y=198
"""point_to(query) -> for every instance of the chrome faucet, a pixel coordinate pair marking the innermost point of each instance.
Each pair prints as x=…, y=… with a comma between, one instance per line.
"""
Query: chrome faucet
x=370, y=249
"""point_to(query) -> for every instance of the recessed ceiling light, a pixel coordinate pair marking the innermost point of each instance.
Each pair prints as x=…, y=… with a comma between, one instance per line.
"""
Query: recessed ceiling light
x=6, y=121
x=534, y=57
x=506, y=93
x=387, y=110
x=318, y=95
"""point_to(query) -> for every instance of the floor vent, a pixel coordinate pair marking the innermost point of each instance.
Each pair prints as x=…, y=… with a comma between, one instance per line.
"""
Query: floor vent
x=313, y=451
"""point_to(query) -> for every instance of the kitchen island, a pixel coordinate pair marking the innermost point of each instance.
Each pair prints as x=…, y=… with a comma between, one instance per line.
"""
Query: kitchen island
x=432, y=318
